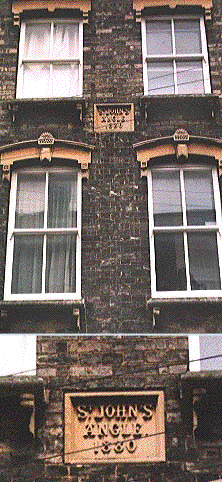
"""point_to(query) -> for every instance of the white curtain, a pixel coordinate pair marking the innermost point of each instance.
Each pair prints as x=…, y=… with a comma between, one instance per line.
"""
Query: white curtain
x=27, y=264
x=37, y=41
x=61, y=262
x=65, y=41
x=62, y=200
x=65, y=47
x=30, y=201
x=36, y=81
x=61, y=249
x=63, y=80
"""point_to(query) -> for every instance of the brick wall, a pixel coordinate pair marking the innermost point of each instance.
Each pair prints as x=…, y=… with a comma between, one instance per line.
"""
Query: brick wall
x=115, y=254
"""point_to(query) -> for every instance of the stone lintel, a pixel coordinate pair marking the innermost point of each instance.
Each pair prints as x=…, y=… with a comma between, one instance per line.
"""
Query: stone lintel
x=180, y=145
x=46, y=148
x=21, y=6
x=139, y=5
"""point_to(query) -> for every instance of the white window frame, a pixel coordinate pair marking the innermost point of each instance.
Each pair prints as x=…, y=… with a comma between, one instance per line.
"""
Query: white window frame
x=20, y=94
x=174, y=57
x=76, y=231
x=217, y=228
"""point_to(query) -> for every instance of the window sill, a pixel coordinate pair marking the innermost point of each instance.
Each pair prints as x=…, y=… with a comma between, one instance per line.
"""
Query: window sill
x=71, y=109
x=65, y=315
x=11, y=303
x=207, y=105
x=151, y=302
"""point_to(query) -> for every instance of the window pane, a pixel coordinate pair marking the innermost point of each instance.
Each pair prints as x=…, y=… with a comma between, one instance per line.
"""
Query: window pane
x=159, y=38
x=66, y=41
x=166, y=198
x=190, y=77
x=160, y=78
x=204, y=265
x=27, y=264
x=36, y=80
x=199, y=197
x=61, y=264
x=30, y=201
x=187, y=36
x=170, y=265
x=37, y=41
x=65, y=80
x=62, y=203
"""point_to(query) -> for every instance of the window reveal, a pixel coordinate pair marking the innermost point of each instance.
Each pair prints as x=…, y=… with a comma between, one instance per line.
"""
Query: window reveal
x=175, y=56
x=185, y=214
x=50, y=59
x=44, y=236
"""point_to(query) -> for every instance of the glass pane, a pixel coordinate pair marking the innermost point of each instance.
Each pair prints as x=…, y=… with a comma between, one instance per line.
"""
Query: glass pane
x=199, y=197
x=65, y=41
x=170, y=264
x=36, y=80
x=65, y=80
x=61, y=264
x=160, y=78
x=27, y=264
x=167, y=208
x=187, y=36
x=204, y=265
x=159, y=38
x=37, y=41
x=190, y=77
x=30, y=201
x=62, y=200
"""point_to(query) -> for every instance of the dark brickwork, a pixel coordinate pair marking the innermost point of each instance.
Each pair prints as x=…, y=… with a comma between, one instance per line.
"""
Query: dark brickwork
x=114, y=363
x=115, y=251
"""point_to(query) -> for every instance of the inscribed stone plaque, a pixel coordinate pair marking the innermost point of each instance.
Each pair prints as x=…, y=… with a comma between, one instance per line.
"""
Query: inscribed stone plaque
x=113, y=117
x=114, y=426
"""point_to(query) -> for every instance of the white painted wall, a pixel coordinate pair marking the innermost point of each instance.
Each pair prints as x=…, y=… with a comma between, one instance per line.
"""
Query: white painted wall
x=194, y=353
x=17, y=354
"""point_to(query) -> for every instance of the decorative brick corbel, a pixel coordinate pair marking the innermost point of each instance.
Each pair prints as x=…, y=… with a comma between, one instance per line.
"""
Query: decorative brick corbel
x=220, y=167
x=45, y=142
x=138, y=15
x=21, y=6
x=85, y=15
x=181, y=140
x=27, y=400
x=140, y=5
x=208, y=14
x=16, y=20
x=6, y=172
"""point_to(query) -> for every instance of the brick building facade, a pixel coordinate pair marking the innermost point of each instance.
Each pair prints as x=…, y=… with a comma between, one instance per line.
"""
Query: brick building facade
x=112, y=110
x=96, y=400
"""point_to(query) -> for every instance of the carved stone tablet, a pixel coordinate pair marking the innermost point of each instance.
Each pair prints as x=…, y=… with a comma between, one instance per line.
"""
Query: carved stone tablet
x=119, y=427
x=113, y=117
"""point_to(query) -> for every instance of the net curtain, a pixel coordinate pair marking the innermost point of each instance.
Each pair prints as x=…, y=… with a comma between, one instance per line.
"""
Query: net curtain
x=49, y=70
x=60, y=248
